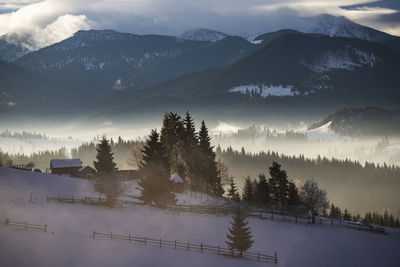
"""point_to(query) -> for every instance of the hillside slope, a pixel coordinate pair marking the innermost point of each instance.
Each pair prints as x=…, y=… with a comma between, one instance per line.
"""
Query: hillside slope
x=70, y=226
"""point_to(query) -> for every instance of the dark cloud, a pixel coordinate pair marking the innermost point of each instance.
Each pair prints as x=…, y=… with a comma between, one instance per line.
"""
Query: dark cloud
x=392, y=4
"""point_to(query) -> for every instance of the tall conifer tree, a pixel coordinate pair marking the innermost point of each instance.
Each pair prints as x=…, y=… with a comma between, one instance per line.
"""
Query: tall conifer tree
x=105, y=159
x=239, y=237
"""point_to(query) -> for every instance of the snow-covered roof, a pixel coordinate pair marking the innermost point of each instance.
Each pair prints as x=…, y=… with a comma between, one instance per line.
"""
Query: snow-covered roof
x=176, y=178
x=65, y=163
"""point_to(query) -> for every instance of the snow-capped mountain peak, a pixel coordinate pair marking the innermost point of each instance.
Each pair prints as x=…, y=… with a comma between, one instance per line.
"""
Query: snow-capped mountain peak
x=342, y=27
x=204, y=35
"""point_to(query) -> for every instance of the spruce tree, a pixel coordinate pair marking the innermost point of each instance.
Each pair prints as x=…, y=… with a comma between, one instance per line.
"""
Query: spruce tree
x=155, y=184
x=346, y=215
x=261, y=194
x=208, y=161
x=292, y=194
x=248, y=192
x=171, y=139
x=153, y=153
x=239, y=237
x=233, y=193
x=105, y=181
x=105, y=159
x=190, y=148
x=278, y=184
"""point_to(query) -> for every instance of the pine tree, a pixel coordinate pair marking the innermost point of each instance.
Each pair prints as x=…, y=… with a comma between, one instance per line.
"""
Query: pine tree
x=293, y=194
x=171, y=139
x=209, y=165
x=156, y=186
x=105, y=159
x=278, y=184
x=153, y=153
x=218, y=189
x=248, y=192
x=233, y=193
x=190, y=148
x=346, y=215
x=239, y=237
x=261, y=193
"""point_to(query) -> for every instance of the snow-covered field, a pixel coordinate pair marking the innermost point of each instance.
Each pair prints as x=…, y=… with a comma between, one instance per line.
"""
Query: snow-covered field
x=324, y=133
x=67, y=241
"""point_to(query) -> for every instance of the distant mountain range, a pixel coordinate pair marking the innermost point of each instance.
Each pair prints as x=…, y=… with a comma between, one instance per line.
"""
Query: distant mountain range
x=369, y=121
x=337, y=64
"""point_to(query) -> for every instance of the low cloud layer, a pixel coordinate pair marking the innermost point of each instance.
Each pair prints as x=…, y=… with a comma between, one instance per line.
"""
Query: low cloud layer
x=50, y=21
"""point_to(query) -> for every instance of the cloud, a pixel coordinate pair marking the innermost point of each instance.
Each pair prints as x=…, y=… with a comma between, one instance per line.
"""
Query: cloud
x=53, y=20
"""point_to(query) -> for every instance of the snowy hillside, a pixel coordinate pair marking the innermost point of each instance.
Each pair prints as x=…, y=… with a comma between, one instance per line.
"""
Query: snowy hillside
x=70, y=226
x=204, y=35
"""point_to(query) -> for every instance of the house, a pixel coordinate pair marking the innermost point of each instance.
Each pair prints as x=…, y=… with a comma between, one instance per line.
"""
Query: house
x=65, y=166
x=177, y=183
x=86, y=172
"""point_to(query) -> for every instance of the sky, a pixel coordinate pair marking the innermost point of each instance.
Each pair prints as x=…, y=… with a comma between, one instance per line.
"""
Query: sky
x=50, y=21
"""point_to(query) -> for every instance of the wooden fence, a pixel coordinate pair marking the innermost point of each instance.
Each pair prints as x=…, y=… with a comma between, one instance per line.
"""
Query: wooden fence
x=230, y=209
x=23, y=225
x=85, y=200
x=279, y=216
x=202, y=247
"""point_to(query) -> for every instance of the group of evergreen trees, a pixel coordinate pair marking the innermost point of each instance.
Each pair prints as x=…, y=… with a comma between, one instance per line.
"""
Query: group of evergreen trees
x=385, y=219
x=277, y=190
x=180, y=149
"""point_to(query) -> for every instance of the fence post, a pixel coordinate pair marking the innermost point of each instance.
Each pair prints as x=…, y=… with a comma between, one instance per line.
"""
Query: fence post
x=129, y=238
x=320, y=220
x=111, y=235
x=260, y=215
x=94, y=234
x=26, y=226
x=45, y=228
x=6, y=221
x=145, y=240
x=272, y=212
x=276, y=258
x=160, y=242
x=331, y=221
x=175, y=244
x=99, y=199
x=188, y=245
x=72, y=199
x=218, y=249
x=258, y=256
x=201, y=247
x=47, y=198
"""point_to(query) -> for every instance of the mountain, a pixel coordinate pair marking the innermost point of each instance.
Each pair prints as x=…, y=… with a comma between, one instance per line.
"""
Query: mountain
x=305, y=73
x=26, y=93
x=370, y=121
x=342, y=27
x=215, y=54
x=12, y=48
x=100, y=59
x=267, y=37
x=204, y=35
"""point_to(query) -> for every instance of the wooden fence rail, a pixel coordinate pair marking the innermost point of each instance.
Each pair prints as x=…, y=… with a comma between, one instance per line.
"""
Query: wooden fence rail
x=226, y=210
x=23, y=225
x=202, y=247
